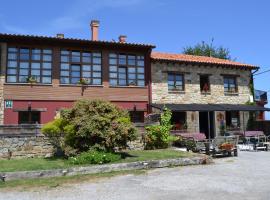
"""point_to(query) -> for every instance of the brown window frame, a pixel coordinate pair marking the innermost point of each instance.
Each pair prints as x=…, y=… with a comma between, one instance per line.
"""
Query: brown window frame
x=30, y=61
x=70, y=62
x=114, y=75
x=234, y=78
x=174, y=74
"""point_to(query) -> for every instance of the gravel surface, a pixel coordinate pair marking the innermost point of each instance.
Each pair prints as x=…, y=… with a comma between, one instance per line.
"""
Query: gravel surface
x=245, y=177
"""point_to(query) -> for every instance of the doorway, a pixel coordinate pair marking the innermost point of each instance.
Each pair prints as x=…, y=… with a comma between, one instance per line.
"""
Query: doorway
x=204, y=127
x=29, y=117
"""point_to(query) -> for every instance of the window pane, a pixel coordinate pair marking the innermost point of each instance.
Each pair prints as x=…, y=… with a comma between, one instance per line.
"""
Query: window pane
x=11, y=79
x=24, y=50
x=46, y=80
x=64, y=73
x=24, y=56
x=113, y=68
x=113, y=75
x=96, y=74
x=113, y=55
x=132, y=76
x=122, y=70
x=140, y=83
x=170, y=77
x=47, y=58
x=140, y=76
x=131, y=70
x=64, y=52
x=35, y=72
x=132, y=82
x=35, y=65
x=64, y=80
x=140, y=70
x=122, y=82
x=86, y=54
x=47, y=65
x=86, y=59
x=131, y=60
x=86, y=68
x=12, y=49
x=97, y=60
x=75, y=59
x=178, y=77
x=36, y=51
x=86, y=74
x=96, y=81
x=24, y=72
x=46, y=72
x=35, y=56
x=140, y=63
x=47, y=51
x=12, y=71
x=64, y=59
x=113, y=61
x=24, y=65
x=97, y=54
x=23, y=79
x=75, y=53
x=12, y=56
x=12, y=64
x=113, y=82
x=75, y=74
x=75, y=80
x=96, y=67
x=65, y=66
x=75, y=67
x=122, y=76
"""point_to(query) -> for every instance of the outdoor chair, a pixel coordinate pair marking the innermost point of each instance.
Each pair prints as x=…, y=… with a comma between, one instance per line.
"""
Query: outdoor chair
x=224, y=146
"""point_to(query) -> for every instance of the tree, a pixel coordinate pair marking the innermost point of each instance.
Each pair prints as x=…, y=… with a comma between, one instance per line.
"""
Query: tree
x=209, y=50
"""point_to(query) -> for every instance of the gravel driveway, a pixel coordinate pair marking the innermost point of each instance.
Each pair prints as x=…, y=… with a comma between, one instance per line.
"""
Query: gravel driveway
x=245, y=177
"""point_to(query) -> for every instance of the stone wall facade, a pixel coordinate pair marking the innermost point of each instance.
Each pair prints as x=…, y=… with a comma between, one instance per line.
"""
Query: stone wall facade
x=192, y=93
x=3, y=56
x=24, y=146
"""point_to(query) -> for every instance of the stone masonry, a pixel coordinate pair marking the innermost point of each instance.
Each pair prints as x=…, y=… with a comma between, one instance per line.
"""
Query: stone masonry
x=192, y=93
x=3, y=54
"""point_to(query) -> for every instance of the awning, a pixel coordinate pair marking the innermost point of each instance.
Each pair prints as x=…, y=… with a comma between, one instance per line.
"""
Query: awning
x=210, y=107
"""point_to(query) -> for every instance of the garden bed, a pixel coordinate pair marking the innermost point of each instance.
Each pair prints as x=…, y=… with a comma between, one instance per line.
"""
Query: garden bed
x=32, y=164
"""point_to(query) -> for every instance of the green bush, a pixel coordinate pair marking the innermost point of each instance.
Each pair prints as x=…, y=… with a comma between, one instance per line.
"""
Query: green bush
x=158, y=136
x=93, y=124
x=94, y=157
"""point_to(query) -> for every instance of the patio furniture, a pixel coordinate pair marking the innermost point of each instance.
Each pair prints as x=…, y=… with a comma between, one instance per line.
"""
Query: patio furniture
x=223, y=146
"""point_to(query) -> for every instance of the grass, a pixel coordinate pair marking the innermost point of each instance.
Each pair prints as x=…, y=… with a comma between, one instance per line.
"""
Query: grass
x=24, y=184
x=31, y=164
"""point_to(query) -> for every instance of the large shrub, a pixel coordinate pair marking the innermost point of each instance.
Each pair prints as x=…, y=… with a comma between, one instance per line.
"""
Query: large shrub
x=94, y=124
x=158, y=136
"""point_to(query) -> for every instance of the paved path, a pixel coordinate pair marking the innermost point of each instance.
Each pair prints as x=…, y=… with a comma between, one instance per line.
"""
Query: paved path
x=244, y=178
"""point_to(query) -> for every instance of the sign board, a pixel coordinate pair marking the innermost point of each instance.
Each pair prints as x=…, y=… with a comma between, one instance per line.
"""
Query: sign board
x=8, y=104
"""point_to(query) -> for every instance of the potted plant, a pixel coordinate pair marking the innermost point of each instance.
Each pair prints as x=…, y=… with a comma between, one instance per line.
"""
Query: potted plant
x=83, y=81
x=31, y=79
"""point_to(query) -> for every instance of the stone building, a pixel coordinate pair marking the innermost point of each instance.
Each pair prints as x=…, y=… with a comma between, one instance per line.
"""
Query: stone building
x=205, y=94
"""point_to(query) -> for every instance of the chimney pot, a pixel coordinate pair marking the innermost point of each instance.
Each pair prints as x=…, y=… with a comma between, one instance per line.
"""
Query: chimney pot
x=122, y=38
x=60, y=35
x=94, y=29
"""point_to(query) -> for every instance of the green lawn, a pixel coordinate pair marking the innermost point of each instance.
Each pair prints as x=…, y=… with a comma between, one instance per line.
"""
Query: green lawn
x=43, y=164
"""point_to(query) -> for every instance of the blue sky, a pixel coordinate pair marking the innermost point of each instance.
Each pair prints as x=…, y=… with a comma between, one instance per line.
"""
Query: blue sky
x=242, y=25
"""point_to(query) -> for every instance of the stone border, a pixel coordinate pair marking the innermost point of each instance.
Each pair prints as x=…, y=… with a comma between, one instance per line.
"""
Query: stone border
x=7, y=176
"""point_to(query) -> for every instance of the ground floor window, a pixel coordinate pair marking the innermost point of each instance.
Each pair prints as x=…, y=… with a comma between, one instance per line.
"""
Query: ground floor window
x=136, y=116
x=29, y=117
x=179, y=120
x=232, y=119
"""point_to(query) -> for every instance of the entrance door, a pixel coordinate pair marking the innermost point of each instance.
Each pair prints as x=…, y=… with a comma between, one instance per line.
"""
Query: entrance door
x=29, y=117
x=204, y=127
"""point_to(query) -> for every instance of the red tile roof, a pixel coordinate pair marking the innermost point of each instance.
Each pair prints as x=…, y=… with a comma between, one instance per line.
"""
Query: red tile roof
x=158, y=56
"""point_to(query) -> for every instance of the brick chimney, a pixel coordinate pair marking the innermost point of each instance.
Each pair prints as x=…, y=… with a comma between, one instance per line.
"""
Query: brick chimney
x=122, y=38
x=94, y=29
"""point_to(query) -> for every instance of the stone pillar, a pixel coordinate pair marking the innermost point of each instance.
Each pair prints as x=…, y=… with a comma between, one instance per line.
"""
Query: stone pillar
x=193, y=121
x=220, y=119
x=3, y=63
x=244, y=116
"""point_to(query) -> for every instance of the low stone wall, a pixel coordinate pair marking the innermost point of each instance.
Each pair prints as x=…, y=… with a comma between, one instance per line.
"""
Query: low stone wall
x=7, y=176
x=16, y=146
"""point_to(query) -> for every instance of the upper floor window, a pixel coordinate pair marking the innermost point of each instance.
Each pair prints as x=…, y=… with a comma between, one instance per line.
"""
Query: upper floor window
x=126, y=70
x=230, y=85
x=78, y=65
x=24, y=63
x=175, y=82
x=204, y=83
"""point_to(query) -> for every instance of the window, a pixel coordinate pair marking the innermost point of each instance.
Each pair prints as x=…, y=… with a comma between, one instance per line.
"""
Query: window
x=77, y=65
x=175, y=82
x=232, y=119
x=29, y=62
x=126, y=70
x=230, y=84
x=204, y=83
x=29, y=117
